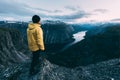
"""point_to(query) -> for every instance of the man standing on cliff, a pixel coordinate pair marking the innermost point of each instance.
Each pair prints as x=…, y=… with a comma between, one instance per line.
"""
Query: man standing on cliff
x=35, y=42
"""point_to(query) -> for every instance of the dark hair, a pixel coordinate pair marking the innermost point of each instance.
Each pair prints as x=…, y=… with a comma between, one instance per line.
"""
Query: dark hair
x=35, y=19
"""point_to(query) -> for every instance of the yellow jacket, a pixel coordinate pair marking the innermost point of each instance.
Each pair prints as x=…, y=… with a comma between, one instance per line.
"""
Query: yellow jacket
x=35, y=37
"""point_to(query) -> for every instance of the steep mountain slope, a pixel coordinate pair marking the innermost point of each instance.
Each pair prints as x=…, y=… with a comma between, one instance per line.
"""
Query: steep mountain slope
x=100, y=44
x=12, y=49
x=57, y=34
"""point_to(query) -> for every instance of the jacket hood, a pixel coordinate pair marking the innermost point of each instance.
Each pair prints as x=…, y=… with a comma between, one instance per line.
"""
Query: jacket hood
x=33, y=25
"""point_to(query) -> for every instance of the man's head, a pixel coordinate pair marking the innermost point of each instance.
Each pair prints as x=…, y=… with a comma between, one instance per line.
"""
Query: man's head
x=36, y=19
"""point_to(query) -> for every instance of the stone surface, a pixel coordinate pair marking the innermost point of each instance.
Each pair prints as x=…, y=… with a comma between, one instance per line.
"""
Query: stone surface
x=11, y=47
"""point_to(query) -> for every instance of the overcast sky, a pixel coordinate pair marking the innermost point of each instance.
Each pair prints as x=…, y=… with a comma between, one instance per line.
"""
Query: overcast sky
x=65, y=10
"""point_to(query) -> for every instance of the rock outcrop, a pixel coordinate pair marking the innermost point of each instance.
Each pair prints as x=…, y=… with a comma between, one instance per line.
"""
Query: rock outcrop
x=107, y=70
x=12, y=49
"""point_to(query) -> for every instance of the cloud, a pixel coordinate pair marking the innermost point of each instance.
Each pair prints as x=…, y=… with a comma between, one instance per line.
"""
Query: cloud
x=19, y=9
x=101, y=10
x=117, y=19
x=15, y=8
x=72, y=8
x=43, y=10
x=76, y=15
x=48, y=11
x=56, y=11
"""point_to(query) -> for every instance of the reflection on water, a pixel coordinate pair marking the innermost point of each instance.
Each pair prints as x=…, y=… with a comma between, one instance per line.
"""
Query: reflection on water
x=78, y=37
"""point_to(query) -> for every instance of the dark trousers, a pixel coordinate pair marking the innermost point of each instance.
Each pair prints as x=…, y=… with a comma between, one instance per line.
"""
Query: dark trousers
x=35, y=62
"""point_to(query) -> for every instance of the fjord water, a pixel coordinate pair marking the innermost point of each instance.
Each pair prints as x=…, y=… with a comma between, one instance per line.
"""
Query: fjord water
x=78, y=37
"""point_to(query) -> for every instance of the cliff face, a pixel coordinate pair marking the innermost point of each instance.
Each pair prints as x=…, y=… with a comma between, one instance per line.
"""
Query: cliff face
x=11, y=47
x=56, y=34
